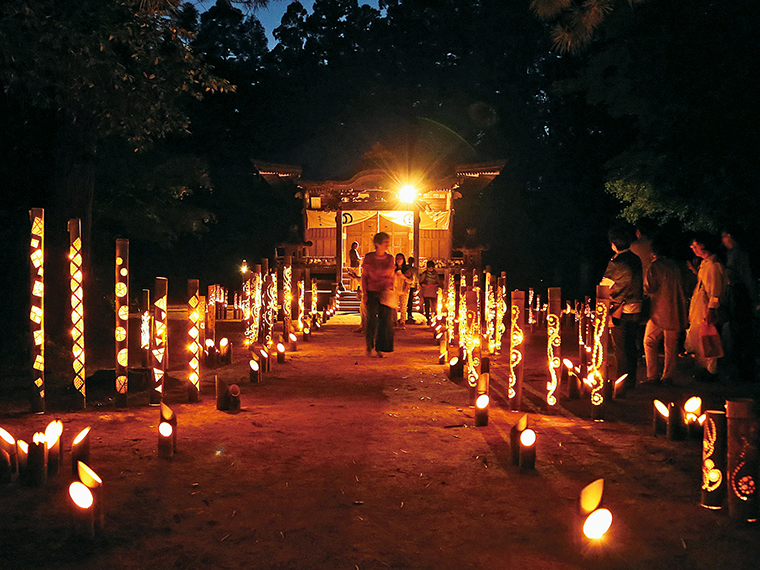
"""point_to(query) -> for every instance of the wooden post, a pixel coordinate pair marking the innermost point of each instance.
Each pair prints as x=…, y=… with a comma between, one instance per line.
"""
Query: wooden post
x=121, y=332
x=36, y=310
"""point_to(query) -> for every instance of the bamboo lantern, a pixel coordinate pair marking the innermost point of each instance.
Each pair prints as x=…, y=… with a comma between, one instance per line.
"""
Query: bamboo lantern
x=280, y=352
x=531, y=316
x=287, y=295
x=462, y=310
x=88, y=519
x=451, y=305
x=254, y=370
x=527, y=453
x=501, y=310
x=554, y=345
x=211, y=314
x=256, y=307
x=121, y=330
x=77, y=306
x=159, y=341
x=483, y=398
x=473, y=345
x=742, y=460
x=82, y=510
x=36, y=463
x=292, y=342
x=168, y=416
x=456, y=366
x=22, y=454
x=53, y=434
x=714, y=460
x=301, y=303
x=594, y=521
x=273, y=306
x=80, y=449
x=194, y=317
x=8, y=446
x=660, y=418
x=516, y=348
x=597, y=373
x=514, y=438
x=37, y=304
x=6, y=470
x=146, y=327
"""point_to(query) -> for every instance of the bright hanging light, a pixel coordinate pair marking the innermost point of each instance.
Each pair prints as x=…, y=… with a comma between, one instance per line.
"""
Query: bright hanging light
x=407, y=193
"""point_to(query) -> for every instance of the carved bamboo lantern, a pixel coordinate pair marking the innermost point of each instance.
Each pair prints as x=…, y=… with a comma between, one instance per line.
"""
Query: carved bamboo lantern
x=516, y=349
x=159, y=341
x=37, y=304
x=121, y=330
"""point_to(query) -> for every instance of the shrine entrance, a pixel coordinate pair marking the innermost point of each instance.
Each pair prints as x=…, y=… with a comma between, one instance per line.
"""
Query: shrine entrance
x=402, y=238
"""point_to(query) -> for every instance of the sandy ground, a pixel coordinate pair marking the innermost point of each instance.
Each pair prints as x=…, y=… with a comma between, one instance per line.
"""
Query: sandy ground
x=341, y=461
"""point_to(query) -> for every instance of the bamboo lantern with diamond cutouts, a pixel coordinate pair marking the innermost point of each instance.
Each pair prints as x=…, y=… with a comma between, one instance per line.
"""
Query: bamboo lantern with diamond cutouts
x=159, y=341
x=121, y=332
x=195, y=317
x=36, y=310
x=77, y=307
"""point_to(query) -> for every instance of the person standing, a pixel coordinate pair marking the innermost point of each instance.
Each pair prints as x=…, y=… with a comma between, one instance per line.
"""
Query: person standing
x=623, y=277
x=377, y=296
x=705, y=300
x=663, y=284
x=430, y=282
x=739, y=301
x=413, y=286
x=354, y=266
x=401, y=281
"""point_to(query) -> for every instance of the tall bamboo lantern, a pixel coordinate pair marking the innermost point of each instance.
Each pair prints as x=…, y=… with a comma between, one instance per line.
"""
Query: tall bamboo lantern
x=37, y=303
x=451, y=303
x=195, y=317
x=462, y=309
x=256, y=306
x=121, y=330
x=516, y=348
x=301, y=302
x=287, y=295
x=77, y=306
x=554, y=344
x=146, y=327
x=501, y=309
x=472, y=324
x=159, y=342
x=314, y=295
x=211, y=313
x=597, y=372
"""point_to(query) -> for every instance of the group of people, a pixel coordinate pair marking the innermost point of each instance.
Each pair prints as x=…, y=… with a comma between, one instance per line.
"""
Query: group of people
x=387, y=284
x=648, y=287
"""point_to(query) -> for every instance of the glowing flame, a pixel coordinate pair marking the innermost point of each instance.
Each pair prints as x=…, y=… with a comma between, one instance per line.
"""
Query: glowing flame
x=224, y=342
x=292, y=337
x=165, y=429
x=209, y=343
x=482, y=401
x=53, y=431
x=568, y=363
x=527, y=438
x=597, y=524
x=454, y=361
x=662, y=409
x=90, y=479
x=263, y=353
x=23, y=446
x=693, y=406
x=280, y=347
x=39, y=438
x=81, y=495
x=701, y=419
x=621, y=379
x=80, y=436
x=7, y=437
x=254, y=365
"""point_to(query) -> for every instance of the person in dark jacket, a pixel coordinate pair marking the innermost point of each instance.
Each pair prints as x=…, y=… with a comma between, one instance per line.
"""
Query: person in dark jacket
x=623, y=277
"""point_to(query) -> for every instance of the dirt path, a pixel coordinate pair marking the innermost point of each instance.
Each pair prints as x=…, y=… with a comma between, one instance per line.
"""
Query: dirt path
x=341, y=461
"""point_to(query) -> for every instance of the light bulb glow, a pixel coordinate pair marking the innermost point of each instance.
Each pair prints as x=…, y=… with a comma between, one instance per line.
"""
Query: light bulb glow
x=407, y=193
